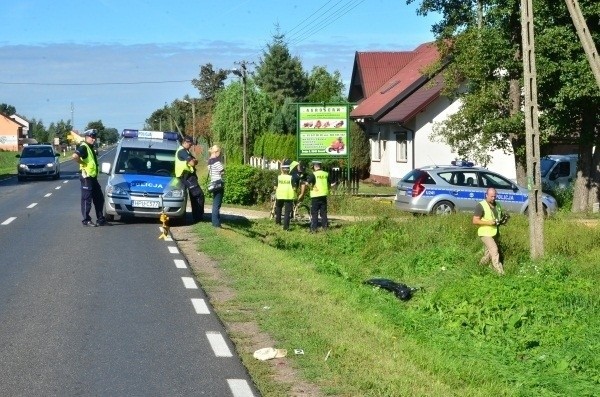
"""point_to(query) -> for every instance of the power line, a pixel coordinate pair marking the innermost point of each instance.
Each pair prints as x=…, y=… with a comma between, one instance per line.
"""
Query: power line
x=317, y=20
x=88, y=84
x=308, y=17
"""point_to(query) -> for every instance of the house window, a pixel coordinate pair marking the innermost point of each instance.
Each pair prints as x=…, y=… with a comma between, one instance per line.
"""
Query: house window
x=375, y=148
x=401, y=147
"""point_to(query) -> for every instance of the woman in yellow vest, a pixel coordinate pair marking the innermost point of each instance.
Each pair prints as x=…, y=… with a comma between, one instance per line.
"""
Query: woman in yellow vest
x=285, y=194
x=488, y=215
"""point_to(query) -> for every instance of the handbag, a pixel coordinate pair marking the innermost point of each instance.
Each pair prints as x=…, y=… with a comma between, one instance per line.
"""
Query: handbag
x=215, y=185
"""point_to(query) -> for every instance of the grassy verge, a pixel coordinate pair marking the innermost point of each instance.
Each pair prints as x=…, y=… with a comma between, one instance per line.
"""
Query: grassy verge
x=8, y=162
x=468, y=332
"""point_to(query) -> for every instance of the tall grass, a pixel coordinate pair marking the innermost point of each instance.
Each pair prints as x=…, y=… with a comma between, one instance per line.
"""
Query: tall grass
x=468, y=331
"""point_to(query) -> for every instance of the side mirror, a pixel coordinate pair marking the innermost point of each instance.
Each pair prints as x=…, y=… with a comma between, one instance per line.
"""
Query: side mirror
x=105, y=168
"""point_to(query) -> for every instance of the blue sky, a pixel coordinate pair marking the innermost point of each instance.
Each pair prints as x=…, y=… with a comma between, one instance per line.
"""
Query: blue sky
x=119, y=60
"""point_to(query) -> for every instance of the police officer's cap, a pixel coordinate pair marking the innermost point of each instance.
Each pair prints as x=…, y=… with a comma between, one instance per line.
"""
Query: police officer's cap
x=188, y=139
x=93, y=133
x=317, y=162
x=286, y=164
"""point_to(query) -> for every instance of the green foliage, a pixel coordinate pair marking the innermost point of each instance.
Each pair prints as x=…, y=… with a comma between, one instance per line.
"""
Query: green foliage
x=324, y=86
x=534, y=331
x=7, y=110
x=246, y=185
x=360, y=149
x=38, y=131
x=275, y=146
x=210, y=81
x=59, y=130
x=227, y=122
x=279, y=74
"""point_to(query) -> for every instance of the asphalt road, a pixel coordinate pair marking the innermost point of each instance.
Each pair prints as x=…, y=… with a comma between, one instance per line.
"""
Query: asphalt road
x=105, y=311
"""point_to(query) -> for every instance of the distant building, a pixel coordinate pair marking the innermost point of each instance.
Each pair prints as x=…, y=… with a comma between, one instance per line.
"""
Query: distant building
x=13, y=130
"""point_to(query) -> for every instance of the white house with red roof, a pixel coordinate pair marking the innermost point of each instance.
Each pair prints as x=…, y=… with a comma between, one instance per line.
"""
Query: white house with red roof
x=398, y=105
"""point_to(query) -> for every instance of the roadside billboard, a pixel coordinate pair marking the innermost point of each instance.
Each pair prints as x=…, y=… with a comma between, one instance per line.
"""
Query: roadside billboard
x=323, y=130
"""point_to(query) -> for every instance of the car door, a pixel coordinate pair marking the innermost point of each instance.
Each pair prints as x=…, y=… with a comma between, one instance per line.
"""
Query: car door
x=463, y=188
x=508, y=194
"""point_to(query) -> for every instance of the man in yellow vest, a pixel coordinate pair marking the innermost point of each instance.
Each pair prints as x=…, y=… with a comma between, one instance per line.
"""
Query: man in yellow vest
x=91, y=192
x=318, y=182
x=488, y=215
x=285, y=194
x=185, y=169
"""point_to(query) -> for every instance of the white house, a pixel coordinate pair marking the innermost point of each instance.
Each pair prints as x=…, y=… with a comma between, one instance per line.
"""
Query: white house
x=398, y=106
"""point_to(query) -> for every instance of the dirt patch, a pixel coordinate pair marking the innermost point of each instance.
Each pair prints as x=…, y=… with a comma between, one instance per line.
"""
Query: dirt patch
x=247, y=335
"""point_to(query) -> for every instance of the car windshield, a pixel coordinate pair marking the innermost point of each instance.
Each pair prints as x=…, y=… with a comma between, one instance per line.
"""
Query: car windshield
x=30, y=152
x=547, y=165
x=146, y=161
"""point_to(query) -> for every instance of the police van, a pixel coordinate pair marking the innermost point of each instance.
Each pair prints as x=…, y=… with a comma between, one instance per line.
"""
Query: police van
x=142, y=180
x=558, y=170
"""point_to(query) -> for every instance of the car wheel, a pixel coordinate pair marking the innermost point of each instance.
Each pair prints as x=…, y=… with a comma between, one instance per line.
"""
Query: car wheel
x=443, y=208
x=20, y=179
x=56, y=176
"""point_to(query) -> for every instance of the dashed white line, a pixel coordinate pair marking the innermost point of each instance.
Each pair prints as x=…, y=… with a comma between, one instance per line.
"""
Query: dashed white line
x=239, y=388
x=58, y=187
x=173, y=250
x=180, y=264
x=31, y=205
x=189, y=283
x=65, y=181
x=200, y=306
x=218, y=344
x=47, y=194
x=9, y=220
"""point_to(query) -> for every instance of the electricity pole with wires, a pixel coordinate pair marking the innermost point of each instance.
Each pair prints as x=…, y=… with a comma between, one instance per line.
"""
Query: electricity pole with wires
x=242, y=72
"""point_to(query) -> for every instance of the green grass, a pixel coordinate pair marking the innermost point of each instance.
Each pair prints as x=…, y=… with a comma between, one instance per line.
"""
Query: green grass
x=468, y=332
x=8, y=162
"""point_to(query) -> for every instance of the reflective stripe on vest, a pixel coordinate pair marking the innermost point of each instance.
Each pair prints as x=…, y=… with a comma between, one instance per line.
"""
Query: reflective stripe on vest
x=285, y=191
x=181, y=165
x=488, y=215
x=89, y=165
x=321, y=187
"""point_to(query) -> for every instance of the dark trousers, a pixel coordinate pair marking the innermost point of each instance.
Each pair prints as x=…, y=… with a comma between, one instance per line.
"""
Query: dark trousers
x=91, y=192
x=196, y=195
x=318, y=207
x=287, y=212
x=216, y=207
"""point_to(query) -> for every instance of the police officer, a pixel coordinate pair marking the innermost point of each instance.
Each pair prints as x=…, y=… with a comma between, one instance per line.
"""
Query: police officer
x=285, y=194
x=319, y=190
x=488, y=215
x=297, y=173
x=185, y=169
x=91, y=192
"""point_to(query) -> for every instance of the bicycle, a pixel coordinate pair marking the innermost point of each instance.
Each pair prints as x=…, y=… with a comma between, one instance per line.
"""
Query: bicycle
x=300, y=211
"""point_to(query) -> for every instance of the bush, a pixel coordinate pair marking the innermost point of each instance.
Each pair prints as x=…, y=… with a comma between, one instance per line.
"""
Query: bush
x=245, y=185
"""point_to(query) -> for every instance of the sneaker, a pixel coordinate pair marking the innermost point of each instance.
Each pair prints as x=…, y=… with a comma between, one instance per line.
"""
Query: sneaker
x=101, y=222
x=88, y=224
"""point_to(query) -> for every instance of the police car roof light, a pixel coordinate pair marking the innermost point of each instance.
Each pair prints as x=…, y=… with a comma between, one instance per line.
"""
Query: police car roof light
x=130, y=133
x=462, y=163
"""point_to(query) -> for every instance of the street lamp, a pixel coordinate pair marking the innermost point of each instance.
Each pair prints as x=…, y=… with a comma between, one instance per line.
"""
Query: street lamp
x=193, y=117
x=243, y=73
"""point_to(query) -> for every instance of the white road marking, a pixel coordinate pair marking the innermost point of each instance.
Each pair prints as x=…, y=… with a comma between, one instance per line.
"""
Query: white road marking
x=180, y=264
x=31, y=205
x=239, y=388
x=65, y=181
x=218, y=344
x=173, y=250
x=47, y=194
x=9, y=220
x=56, y=188
x=200, y=306
x=189, y=283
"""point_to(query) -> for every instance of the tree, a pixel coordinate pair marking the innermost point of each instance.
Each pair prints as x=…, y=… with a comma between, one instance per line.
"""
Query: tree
x=280, y=75
x=60, y=130
x=210, y=81
x=324, y=86
x=38, y=131
x=7, y=110
x=227, y=118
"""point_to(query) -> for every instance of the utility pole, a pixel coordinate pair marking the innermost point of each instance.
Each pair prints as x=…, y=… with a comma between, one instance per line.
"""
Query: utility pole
x=532, y=136
x=243, y=73
x=585, y=37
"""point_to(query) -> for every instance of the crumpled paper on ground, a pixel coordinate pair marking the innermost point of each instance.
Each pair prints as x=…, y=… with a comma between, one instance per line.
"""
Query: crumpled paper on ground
x=268, y=353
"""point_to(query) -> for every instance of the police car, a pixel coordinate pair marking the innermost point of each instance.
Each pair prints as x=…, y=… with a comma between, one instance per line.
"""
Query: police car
x=142, y=180
x=459, y=187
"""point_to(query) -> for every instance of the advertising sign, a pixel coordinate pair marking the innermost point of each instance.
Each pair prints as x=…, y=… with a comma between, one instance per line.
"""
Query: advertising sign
x=323, y=130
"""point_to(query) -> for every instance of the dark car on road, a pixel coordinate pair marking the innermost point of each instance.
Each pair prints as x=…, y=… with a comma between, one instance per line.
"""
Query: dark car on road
x=38, y=161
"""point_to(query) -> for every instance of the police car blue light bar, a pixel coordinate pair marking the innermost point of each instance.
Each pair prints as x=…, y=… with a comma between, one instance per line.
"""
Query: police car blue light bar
x=462, y=163
x=168, y=135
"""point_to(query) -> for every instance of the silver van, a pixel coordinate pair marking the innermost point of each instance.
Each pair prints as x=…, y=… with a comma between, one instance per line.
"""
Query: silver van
x=558, y=170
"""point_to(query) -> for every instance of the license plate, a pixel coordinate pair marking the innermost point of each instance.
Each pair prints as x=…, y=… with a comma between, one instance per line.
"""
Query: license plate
x=36, y=170
x=145, y=203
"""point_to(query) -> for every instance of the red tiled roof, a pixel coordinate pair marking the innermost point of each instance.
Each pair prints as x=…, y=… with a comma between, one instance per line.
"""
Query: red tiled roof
x=399, y=87
x=416, y=102
x=378, y=67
